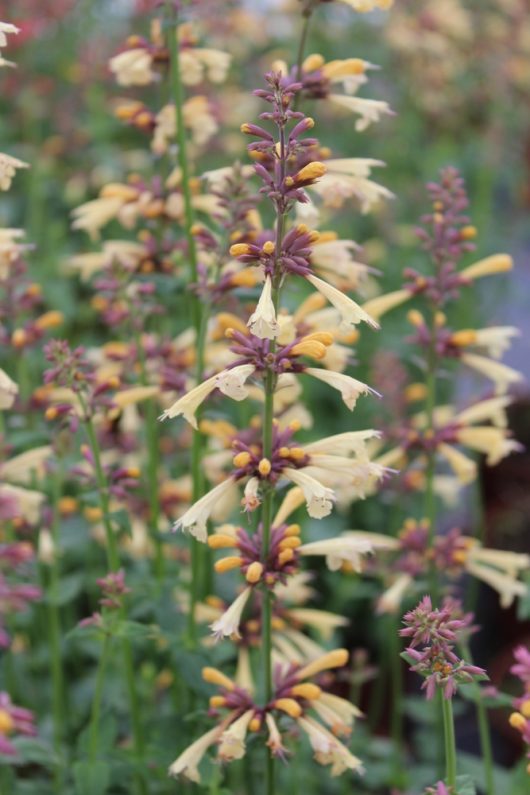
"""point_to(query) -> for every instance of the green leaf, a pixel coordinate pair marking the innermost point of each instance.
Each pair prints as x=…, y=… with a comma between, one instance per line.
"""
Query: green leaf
x=68, y=588
x=134, y=630
x=465, y=786
x=91, y=778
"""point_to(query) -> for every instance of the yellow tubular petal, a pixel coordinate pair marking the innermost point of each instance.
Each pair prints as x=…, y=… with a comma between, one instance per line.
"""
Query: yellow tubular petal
x=215, y=677
x=290, y=706
x=225, y=564
x=307, y=690
x=254, y=572
x=221, y=541
x=333, y=659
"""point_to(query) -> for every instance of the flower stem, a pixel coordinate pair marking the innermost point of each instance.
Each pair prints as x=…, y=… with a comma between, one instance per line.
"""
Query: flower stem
x=197, y=550
x=51, y=586
x=307, y=13
x=449, y=738
x=114, y=564
x=98, y=697
x=430, y=500
x=483, y=729
x=152, y=467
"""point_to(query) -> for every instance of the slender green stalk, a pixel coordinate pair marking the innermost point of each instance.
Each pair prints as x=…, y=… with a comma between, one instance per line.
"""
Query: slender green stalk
x=51, y=576
x=307, y=13
x=430, y=500
x=396, y=677
x=97, y=700
x=483, y=729
x=197, y=550
x=449, y=739
x=114, y=564
x=103, y=494
x=152, y=467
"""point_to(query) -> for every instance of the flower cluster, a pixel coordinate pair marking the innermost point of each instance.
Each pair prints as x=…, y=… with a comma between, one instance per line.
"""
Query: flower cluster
x=437, y=631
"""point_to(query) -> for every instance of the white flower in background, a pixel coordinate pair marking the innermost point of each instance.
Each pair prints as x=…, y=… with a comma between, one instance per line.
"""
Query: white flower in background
x=198, y=64
x=133, y=67
x=490, y=441
x=8, y=391
x=391, y=599
x=8, y=169
x=350, y=312
x=230, y=382
x=187, y=764
x=228, y=624
x=502, y=375
x=263, y=322
x=195, y=519
x=232, y=742
x=319, y=499
x=338, y=551
x=6, y=28
x=370, y=110
x=350, y=177
x=349, y=387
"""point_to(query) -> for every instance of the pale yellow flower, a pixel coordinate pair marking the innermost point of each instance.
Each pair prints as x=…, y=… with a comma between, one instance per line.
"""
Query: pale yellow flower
x=8, y=390
x=232, y=741
x=351, y=313
x=349, y=387
x=390, y=600
x=198, y=64
x=133, y=67
x=228, y=624
x=502, y=375
x=6, y=28
x=347, y=177
x=28, y=502
x=263, y=322
x=8, y=169
x=187, y=764
x=230, y=382
x=369, y=110
x=24, y=467
x=195, y=519
x=319, y=499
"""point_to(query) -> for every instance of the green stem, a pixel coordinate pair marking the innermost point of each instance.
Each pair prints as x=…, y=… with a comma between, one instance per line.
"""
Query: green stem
x=51, y=580
x=307, y=13
x=450, y=746
x=430, y=500
x=98, y=698
x=396, y=723
x=197, y=553
x=103, y=494
x=483, y=729
x=113, y=560
x=152, y=466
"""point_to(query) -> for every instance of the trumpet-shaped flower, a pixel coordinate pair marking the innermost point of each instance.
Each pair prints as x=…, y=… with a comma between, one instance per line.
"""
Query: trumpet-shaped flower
x=196, y=517
x=8, y=169
x=319, y=499
x=262, y=322
x=232, y=741
x=187, y=764
x=230, y=382
x=349, y=387
x=339, y=550
x=369, y=110
x=8, y=391
x=228, y=624
x=350, y=312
